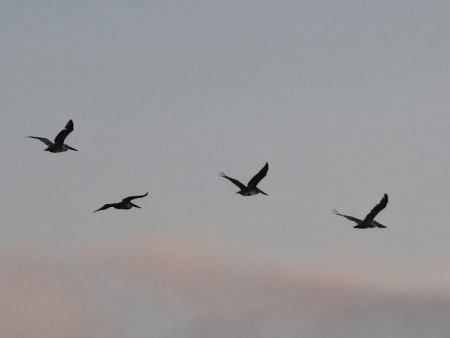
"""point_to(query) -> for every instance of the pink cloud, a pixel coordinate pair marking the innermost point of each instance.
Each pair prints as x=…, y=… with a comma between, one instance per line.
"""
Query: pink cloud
x=36, y=300
x=181, y=286
x=237, y=294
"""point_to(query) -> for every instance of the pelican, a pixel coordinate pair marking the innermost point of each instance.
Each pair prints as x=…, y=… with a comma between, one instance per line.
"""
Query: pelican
x=125, y=204
x=59, y=145
x=251, y=188
x=369, y=221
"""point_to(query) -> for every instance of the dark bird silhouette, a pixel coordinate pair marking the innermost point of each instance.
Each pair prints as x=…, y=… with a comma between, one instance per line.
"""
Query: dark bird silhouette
x=59, y=145
x=251, y=188
x=125, y=204
x=369, y=221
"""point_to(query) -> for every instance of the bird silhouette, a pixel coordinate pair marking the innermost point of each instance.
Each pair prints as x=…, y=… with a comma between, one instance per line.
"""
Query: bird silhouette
x=369, y=221
x=125, y=204
x=251, y=188
x=58, y=146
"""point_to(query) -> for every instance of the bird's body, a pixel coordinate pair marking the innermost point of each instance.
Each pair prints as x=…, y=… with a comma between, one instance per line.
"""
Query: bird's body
x=249, y=192
x=251, y=188
x=58, y=145
x=369, y=221
x=124, y=204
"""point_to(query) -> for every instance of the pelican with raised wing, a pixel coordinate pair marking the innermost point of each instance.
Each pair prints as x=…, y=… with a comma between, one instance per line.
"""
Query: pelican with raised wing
x=59, y=145
x=251, y=188
x=369, y=221
x=125, y=204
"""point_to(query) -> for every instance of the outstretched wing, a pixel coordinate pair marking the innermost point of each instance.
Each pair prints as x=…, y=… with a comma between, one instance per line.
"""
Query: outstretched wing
x=59, y=139
x=258, y=177
x=130, y=198
x=380, y=206
x=236, y=182
x=42, y=139
x=351, y=218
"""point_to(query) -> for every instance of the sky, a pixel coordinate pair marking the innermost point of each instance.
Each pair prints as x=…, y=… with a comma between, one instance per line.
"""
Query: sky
x=346, y=100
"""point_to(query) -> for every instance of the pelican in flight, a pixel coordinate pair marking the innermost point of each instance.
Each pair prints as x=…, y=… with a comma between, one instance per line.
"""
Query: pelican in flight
x=125, y=204
x=251, y=188
x=59, y=145
x=369, y=221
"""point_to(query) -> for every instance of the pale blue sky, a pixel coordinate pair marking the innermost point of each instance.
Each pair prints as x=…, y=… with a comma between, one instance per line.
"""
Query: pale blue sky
x=346, y=100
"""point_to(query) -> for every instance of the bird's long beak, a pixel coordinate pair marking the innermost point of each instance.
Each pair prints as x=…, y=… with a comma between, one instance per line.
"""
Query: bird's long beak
x=106, y=206
x=262, y=192
x=136, y=206
x=70, y=147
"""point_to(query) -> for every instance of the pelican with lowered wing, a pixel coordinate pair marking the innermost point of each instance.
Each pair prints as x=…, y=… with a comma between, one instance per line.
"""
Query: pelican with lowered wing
x=125, y=204
x=369, y=221
x=251, y=188
x=58, y=146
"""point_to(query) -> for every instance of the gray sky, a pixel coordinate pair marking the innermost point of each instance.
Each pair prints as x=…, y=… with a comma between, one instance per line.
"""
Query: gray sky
x=346, y=100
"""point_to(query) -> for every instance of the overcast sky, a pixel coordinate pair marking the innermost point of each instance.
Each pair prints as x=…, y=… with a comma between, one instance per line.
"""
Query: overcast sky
x=346, y=100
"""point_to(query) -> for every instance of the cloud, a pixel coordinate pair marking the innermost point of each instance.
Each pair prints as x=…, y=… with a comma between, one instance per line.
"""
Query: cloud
x=183, y=286
x=239, y=295
x=37, y=300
